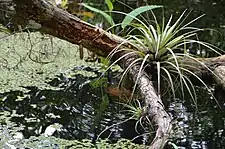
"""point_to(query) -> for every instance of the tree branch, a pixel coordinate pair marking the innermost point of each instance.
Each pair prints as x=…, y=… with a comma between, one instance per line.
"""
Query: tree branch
x=61, y=24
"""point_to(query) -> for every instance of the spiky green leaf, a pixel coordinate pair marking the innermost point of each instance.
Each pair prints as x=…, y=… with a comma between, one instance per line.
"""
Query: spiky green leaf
x=109, y=4
x=130, y=16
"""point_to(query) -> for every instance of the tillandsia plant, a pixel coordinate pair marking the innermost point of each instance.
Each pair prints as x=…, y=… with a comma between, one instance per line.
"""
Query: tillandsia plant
x=162, y=48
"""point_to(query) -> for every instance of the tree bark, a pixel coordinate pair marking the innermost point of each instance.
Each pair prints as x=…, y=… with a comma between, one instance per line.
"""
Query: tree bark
x=61, y=24
x=220, y=73
x=154, y=107
x=209, y=69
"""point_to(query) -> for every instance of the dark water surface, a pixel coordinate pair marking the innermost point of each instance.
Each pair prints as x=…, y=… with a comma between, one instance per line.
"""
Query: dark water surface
x=201, y=128
x=84, y=112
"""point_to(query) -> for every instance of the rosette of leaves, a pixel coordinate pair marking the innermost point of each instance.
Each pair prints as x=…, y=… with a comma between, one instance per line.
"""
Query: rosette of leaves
x=162, y=48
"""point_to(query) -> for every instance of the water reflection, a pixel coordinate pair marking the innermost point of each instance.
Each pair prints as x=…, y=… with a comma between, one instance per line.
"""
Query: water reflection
x=84, y=112
x=201, y=128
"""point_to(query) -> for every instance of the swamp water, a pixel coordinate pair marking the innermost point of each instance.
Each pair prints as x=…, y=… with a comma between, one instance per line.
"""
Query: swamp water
x=78, y=110
x=40, y=101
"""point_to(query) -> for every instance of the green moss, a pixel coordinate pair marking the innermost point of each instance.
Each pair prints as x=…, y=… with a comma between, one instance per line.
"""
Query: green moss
x=17, y=69
x=9, y=130
x=52, y=142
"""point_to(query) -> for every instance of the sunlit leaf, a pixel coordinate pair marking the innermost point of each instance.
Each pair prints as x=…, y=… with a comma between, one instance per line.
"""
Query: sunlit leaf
x=130, y=16
x=4, y=29
x=109, y=4
x=64, y=3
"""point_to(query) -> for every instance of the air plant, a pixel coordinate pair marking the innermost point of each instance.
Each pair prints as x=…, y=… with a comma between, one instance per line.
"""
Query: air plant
x=164, y=49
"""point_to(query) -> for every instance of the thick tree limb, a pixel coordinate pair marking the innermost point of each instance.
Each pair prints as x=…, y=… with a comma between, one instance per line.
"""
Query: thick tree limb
x=220, y=73
x=154, y=107
x=208, y=69
x=219, y=69
x=61, y=24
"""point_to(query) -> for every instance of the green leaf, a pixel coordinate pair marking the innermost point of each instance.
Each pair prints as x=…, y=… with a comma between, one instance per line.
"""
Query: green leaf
x=4, y=29
x=109, y=4
x=63, y=4
x=105, y=15
x=105, y=61
x=130, y=16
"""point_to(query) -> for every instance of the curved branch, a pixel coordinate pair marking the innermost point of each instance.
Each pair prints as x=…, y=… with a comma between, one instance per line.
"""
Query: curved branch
x=61, y=24
x=155, y=109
